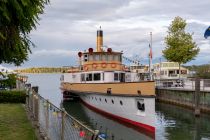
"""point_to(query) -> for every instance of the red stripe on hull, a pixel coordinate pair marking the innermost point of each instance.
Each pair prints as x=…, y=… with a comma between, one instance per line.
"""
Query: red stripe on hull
x=143, y=128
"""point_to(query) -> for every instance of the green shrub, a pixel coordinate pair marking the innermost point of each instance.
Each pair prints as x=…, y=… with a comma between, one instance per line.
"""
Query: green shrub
x=12, y=96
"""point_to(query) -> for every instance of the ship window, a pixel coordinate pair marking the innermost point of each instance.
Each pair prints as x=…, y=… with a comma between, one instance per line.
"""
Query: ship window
x=113, y=101
x=96, y=57
x=140, y=105
x=122, y=77
x=90, y=58
x=89, y=77
x=104, y=57
x=177, y=71
x=121, y=103
x=85, y=57
x=82, y=77
x=105, y=100
x=110, y=57
x=116, y=76
x=97, y=76
x=116, y=57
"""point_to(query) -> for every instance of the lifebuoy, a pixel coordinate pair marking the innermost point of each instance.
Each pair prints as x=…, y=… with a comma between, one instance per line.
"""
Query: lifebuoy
x=113, y=65
x=123, y=68
x=94, y=65
x=103, y=65
x=85, y=67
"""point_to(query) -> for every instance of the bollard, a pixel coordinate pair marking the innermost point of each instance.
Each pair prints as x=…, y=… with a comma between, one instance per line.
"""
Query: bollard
x=63, y=123
x=197, y=97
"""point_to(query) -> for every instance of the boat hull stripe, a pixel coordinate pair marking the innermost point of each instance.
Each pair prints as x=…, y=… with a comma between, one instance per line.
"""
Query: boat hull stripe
x=147, y=128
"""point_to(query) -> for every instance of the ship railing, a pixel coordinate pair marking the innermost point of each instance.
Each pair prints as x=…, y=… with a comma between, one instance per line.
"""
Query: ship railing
x=55, y=123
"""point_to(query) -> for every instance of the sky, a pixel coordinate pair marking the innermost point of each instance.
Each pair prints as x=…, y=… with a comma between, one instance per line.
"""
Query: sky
x=69, y=26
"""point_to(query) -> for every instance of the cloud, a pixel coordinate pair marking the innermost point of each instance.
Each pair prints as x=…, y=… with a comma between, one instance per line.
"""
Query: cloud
x=56, y=52
x=69, y=26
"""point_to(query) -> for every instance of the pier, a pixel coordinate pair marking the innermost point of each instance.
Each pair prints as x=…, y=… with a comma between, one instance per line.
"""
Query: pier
x=192, y=93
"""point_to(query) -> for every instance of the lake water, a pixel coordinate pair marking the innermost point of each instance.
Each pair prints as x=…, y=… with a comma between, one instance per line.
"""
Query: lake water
x=172, y=122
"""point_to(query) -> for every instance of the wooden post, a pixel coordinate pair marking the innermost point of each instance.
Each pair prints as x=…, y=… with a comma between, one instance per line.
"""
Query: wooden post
x=197, y=97
x=63, y=112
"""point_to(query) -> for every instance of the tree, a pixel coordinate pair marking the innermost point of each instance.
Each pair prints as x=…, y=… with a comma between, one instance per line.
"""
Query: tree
x=17, y=19
x=180, y=46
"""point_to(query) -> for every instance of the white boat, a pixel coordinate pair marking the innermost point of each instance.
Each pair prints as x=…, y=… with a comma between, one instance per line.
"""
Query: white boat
x=103, y=83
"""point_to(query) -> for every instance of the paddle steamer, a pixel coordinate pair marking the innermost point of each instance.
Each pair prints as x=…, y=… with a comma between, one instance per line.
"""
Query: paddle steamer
x=104, y=84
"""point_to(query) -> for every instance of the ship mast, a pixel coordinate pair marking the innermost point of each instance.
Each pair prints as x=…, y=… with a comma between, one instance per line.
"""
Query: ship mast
x=150, y=58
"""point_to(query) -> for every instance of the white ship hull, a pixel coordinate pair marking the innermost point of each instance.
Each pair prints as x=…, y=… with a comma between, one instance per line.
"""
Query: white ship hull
x=124, y=109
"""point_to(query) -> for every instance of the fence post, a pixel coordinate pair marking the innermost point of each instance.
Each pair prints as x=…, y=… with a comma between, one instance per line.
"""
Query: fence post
x=36, y=111
x=63, y=123
x=197, y=97
x=28, y=95
x=47, y=118
x=95, y=137
x=34, y=91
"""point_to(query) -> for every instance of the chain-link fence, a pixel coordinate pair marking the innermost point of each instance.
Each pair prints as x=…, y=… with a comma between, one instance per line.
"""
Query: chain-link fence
x=55, y=123
x=188, y=84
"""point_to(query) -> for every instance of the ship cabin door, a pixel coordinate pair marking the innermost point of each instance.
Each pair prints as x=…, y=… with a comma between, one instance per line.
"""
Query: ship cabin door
x=122, y=77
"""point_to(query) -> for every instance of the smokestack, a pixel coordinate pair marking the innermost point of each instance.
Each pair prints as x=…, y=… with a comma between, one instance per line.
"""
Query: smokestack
x=99, y=40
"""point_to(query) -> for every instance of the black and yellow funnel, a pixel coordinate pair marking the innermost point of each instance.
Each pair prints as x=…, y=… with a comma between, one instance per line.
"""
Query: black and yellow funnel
x=99, y=40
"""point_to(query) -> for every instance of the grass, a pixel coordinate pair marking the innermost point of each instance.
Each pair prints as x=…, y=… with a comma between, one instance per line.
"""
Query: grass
x=14, y=124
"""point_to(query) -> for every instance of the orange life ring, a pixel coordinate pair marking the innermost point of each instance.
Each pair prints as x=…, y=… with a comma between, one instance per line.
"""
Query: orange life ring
x=113, y=65
x=103, y=65
x=94, y=65
x=123, y=68
x=85, y=67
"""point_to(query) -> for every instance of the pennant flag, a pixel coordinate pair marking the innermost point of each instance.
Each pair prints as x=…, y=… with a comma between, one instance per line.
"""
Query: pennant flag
x=207, y=33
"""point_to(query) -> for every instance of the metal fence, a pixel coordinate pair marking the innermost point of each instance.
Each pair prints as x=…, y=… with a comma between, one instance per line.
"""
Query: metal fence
x=188, y=84
x=55, y=123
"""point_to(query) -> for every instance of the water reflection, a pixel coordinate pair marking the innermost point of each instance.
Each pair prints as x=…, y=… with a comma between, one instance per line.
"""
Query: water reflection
x=172, y=123
x=112, y=129
x=177, y=123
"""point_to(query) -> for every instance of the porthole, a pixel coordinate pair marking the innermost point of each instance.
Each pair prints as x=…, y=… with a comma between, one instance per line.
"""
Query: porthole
x=105, y=100
x=113, y=101
x=121, y=103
